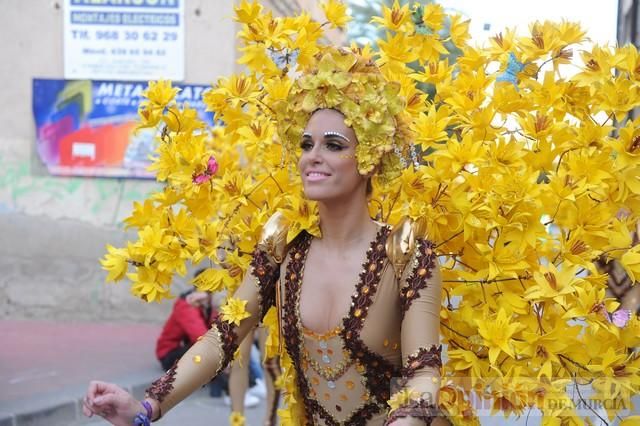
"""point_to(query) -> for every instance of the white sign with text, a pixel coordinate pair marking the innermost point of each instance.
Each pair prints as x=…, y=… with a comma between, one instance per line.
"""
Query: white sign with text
x=124, y=39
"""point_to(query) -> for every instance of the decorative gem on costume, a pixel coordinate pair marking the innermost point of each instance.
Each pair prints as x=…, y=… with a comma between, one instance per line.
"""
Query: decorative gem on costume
x=229, y=343
x=424, y=264
x=330, y=374
x=424, y=357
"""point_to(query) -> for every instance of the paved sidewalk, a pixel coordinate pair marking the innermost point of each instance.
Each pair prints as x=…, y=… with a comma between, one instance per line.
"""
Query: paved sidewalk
x=45, y=368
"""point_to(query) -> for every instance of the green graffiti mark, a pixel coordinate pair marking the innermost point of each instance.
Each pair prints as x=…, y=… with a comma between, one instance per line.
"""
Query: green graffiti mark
x=98, y=195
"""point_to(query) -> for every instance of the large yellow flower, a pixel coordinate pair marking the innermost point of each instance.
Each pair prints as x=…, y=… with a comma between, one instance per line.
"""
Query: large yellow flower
x=553, y=283
x=116, y=263
x=234, y=310
x=236, y=419
x=336, y=13
x=395, y=18
x=498, y=333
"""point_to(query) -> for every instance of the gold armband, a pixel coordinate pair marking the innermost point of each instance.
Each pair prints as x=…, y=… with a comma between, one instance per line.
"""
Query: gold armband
x=274, y=244
x=274, y=237
x=401, y=242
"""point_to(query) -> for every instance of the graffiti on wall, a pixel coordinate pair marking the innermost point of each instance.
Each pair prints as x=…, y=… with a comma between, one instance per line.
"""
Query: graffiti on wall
x=94, y=200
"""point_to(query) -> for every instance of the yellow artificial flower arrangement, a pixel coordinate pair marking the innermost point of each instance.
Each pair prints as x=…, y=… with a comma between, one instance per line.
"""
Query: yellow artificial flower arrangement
x=520, y=178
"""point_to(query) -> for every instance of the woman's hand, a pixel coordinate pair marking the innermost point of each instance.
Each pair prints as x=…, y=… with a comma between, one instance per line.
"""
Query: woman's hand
x=112, y=403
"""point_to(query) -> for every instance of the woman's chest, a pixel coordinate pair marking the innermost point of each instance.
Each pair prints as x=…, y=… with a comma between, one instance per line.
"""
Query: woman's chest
x=368, y=312
x=361, y=300
x=326, y=295
x=368, y=315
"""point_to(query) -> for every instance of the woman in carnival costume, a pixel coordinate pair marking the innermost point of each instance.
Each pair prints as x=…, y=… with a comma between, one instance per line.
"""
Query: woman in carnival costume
x=512, y=176
x=355, y=302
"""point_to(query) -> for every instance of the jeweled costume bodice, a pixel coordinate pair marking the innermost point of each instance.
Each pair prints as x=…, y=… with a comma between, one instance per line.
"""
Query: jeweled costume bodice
x=346, y=375
x=388, y=341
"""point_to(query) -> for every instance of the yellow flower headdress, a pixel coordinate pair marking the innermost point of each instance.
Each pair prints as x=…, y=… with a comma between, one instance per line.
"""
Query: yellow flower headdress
x=373, y=107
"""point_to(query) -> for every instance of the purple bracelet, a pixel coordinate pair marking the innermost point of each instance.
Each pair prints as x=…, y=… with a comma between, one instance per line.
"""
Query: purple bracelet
x=148, y=408
x=141, y=420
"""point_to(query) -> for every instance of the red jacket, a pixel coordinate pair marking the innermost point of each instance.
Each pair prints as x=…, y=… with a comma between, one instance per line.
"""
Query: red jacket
x=185, y=324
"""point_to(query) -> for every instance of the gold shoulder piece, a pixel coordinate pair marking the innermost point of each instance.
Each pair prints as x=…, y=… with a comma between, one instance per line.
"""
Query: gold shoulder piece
x=274, y=237
x=401, y=242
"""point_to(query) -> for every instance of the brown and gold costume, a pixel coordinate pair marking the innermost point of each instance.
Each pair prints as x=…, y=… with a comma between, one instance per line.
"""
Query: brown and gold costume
x=388, y=341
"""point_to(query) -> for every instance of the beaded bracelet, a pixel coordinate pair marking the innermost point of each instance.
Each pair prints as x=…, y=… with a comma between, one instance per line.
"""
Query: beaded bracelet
x=147, y=407
x=143, y=419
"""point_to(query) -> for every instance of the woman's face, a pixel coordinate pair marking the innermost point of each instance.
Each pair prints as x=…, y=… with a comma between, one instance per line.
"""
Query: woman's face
x=328, y=164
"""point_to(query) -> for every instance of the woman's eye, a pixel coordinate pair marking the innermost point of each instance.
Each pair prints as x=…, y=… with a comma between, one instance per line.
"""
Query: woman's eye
x=334, y=146
x=306, y=145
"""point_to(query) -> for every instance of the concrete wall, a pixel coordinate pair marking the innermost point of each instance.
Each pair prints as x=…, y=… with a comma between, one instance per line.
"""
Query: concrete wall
x=53, y=230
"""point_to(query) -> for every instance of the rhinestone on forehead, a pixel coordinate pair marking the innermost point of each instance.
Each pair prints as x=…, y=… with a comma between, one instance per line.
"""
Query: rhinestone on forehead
x=340, y=135
x=329, y=133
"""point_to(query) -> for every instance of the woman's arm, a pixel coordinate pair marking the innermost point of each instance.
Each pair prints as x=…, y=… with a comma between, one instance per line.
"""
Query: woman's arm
x=202, y=362
x=213, y=351
x=416, y=399
x=216, y=348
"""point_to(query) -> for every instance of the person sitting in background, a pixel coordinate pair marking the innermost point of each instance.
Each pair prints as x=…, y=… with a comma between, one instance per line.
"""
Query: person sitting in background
x=190, y=318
